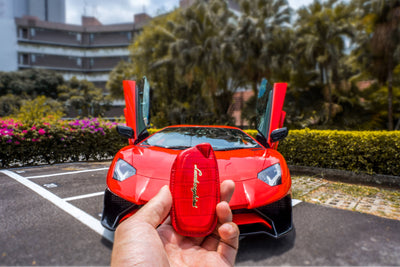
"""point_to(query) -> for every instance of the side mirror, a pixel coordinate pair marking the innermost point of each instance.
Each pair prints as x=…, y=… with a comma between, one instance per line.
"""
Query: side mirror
x=125, y=131
x=279, y=134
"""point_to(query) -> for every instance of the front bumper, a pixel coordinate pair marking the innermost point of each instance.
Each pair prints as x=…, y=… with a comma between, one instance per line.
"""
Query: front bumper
x=115, y=209
x=274, y=219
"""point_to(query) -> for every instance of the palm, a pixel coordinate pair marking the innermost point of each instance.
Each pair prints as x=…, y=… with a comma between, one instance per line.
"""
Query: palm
x=189, y=251
x=138, y=242
x=216, y=249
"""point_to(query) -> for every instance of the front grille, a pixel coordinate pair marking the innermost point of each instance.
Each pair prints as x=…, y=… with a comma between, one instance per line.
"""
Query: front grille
x=117, y=201
x=254, y=228
x=241, y=211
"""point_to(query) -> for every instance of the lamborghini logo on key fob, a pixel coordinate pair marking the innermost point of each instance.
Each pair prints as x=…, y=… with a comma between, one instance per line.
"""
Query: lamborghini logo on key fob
x=197, y=172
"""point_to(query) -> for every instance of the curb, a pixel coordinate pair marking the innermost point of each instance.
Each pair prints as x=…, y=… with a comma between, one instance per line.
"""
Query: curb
x=347, y=176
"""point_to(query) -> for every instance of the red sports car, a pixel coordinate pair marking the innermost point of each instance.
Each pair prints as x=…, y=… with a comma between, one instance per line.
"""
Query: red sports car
x=261, y=202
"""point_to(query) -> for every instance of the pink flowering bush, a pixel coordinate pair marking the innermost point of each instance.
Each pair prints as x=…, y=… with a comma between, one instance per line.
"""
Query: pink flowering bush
x=57, y=141
x=53, y=141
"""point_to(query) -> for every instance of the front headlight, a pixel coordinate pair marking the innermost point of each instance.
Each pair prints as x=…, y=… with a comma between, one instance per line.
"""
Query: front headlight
x=271, y=175
x=123, y=170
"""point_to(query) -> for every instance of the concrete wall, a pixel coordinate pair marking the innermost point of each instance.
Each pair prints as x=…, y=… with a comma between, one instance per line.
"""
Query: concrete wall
x=47, y=10
x=56, y=10
x=20, y=8
x=36, y=8
x=8, y=51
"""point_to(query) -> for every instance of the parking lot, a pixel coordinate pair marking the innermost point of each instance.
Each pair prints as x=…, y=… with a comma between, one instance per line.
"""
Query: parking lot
x=50, y=215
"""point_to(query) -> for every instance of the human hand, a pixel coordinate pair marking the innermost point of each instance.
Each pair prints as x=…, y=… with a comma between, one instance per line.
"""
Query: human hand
x=138, y=241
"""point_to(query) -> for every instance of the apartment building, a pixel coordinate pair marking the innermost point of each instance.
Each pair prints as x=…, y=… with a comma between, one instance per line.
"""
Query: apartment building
x=36, y=36
x=88, y=51
x=45, y=10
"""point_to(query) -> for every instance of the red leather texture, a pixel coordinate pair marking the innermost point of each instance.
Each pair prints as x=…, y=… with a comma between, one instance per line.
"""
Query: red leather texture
x=195, y=191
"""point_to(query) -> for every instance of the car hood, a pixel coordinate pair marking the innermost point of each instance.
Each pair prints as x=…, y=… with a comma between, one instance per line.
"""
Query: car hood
x=153, y=169
x=237, y=165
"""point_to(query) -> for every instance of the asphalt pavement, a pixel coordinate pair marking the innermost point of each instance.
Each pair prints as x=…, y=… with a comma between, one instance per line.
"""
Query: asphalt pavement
x=50, y=215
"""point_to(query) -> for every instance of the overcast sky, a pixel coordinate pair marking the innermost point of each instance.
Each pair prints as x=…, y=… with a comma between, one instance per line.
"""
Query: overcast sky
x=121, y=11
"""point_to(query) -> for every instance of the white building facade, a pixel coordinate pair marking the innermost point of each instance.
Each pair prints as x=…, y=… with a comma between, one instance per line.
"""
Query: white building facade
x=35, y=36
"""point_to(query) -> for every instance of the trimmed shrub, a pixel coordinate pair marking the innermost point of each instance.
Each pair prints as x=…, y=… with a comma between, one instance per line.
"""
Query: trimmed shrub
x=94, y=139
x=372, y=152
x=61, y=141
x=358, y=151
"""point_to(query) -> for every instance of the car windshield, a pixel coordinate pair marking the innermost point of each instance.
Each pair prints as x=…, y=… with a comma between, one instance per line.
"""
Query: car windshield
x=185, y=137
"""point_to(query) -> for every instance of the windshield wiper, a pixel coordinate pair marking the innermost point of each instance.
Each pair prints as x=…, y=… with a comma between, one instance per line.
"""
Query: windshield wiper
x=177, y=147
x=229, y=148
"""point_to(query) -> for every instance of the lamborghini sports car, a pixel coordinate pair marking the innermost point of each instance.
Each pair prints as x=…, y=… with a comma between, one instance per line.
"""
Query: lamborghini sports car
x=261, y=202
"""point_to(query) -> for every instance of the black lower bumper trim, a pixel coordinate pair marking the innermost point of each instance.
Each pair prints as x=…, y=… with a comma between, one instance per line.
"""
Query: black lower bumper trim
x=115, y=208
x=277, y=214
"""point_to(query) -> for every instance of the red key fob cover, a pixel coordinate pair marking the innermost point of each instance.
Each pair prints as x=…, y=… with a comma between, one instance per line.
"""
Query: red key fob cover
x=195, y=191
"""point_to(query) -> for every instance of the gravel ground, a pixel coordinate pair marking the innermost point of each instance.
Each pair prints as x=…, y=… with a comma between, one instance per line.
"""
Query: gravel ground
x=379, y=201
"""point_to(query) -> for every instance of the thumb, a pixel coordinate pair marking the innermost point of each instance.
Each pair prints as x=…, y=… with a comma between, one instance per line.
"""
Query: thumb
x=155, y=211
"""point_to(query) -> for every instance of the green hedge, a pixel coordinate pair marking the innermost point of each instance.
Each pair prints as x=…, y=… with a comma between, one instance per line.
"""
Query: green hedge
x=358, y=151
x=58, y=141
x=372, y=152
x=93, y=139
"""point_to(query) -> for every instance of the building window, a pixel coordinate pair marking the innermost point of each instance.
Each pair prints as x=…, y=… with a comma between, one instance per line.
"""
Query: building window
x=23, y=33
x=78, y=37
x=91, y=37
x=79, y=61
x=129, y=35
x=33, y=58
x=91, y=62
x=24, y=59
x=33, y=32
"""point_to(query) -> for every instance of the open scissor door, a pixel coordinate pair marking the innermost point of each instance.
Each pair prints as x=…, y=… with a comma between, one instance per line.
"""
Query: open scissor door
x=270, y=114
x=137, y=110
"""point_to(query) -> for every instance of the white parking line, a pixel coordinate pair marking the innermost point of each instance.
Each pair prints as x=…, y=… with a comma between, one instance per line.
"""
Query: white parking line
x=84, y=196
x=78, y=214
x=64, y=173
x=295, y=202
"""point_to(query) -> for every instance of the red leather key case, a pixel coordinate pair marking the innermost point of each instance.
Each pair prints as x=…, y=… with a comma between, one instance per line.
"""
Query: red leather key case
x=195, y=191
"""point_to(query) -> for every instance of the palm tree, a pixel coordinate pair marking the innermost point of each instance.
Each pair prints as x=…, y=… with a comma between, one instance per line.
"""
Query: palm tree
x=382, y=42
x=201, y=51
x=260, y=27
x=321, y=31
x=122, y=71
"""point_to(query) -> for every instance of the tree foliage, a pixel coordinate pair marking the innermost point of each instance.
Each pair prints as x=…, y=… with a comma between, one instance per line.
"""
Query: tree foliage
x=123, y=71
x=32, y=83
x=321, y=31
x=202, y=52
x=181, y=55
x=9, y=103
x=22, y=91
x=82, y=96
x=196, y=58
x=38, y=110
x=261, y=39
x=379, y=47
